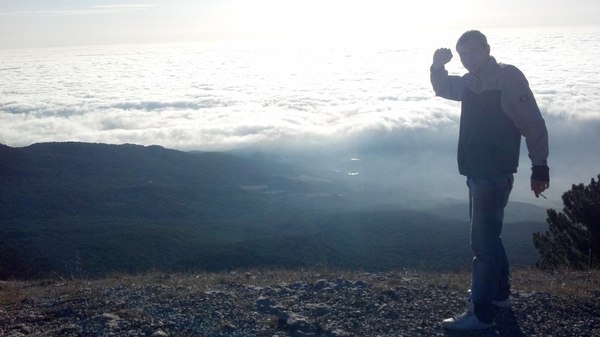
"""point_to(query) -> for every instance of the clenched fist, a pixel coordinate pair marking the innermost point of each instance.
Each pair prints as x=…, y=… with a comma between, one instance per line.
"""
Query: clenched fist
x=441, y=57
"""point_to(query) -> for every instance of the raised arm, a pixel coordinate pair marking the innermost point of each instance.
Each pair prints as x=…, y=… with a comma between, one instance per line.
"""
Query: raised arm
x=449, y=87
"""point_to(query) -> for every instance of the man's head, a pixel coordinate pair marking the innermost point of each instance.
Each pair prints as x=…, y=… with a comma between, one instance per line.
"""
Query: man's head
x=473, y=49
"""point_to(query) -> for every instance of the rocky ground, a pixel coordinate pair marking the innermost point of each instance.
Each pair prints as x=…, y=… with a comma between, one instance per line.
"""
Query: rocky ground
x=298, y=303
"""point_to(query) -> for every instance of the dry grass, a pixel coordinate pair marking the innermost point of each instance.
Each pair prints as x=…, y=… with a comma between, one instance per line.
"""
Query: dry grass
x=15, y=291
x=564, y=284
x=11, y=292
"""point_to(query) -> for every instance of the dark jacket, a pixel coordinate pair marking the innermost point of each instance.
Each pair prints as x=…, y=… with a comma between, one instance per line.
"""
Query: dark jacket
x=497, y=107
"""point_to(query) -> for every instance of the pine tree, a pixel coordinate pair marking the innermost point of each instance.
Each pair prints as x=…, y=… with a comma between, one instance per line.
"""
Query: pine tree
x=573, y=238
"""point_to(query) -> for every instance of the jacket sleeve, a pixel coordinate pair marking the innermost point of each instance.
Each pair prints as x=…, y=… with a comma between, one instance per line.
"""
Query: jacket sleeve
x=520, y=105
x=449, y=87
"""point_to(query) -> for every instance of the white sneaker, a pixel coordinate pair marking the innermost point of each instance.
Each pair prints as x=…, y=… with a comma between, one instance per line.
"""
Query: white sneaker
x=465, y=322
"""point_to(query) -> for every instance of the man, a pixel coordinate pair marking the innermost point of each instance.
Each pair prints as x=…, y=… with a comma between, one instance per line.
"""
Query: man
x=497, y=108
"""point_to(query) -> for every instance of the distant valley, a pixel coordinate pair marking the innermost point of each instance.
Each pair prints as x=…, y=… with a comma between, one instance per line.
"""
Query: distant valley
x=86, y=210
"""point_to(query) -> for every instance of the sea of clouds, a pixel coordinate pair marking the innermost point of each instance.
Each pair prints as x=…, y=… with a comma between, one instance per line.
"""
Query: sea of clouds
x=362, y=102
x=211, y=97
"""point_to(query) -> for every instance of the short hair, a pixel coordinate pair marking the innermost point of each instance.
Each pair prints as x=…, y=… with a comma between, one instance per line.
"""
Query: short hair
x=473, y=35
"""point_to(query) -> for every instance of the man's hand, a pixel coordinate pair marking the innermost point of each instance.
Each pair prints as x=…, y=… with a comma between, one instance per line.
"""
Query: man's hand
x=538, y=186
x=540, y=179
x=441, y=57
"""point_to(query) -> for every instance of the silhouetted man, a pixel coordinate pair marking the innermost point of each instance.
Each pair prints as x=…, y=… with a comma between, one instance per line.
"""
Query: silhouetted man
x=497, y=108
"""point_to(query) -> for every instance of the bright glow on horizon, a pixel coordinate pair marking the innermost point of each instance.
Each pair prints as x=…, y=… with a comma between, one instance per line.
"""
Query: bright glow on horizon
x=338, y=20
x=88, y=22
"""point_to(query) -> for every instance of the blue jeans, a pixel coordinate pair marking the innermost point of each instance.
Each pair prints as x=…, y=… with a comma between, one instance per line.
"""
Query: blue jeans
x=490, y=273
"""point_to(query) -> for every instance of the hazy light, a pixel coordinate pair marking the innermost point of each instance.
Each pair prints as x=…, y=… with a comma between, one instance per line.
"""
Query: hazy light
x=332, y=22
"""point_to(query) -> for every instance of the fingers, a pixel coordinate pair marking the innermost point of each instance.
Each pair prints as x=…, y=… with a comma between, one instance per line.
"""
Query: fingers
x=442, y=56
x=539, y=186
x=443, y=52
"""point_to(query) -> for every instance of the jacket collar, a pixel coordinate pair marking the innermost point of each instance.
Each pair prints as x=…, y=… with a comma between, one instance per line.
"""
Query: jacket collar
x=475, y=81
x=488, y=68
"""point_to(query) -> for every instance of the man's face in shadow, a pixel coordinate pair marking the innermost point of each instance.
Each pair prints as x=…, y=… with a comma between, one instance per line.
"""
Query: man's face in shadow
x=473, y=55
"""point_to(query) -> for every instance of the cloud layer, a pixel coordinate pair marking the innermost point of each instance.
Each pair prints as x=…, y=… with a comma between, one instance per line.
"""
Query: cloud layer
x=224, y=96
x=204, y=96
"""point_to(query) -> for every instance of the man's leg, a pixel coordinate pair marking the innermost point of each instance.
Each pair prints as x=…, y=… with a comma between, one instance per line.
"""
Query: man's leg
x=503, y=291
x=490, y=275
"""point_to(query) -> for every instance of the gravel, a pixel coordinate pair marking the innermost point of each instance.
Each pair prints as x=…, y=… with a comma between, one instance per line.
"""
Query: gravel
x=258, y=304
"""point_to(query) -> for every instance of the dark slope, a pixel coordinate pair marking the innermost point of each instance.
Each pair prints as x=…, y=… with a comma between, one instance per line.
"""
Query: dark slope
x=91, y=209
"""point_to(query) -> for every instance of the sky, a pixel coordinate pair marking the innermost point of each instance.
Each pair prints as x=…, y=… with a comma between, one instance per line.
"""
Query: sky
x=41, y=23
